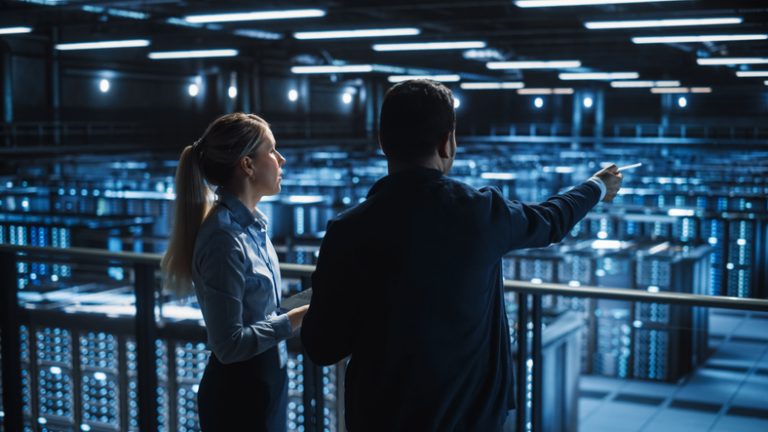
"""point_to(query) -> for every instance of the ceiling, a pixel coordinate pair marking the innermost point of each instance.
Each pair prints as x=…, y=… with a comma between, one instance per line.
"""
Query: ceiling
x=511, y=32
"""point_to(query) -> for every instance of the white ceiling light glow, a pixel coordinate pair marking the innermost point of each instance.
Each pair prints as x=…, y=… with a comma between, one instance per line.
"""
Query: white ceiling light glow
x=644, y=84
x=560, y=3
x=674, y=90
x=441, y=78
x=362, y=33
x=14, y=30
x=255, y=16
x=682, y=22
x=131, y=43
x=698, y=39
x=425, y=46
x=598, y=76
x=492, y=86
x=363, y=68
x=104, y=85
x=751, y=74
x=172, y=55
x=545, y=91
x=553, y=64
x=727, y=61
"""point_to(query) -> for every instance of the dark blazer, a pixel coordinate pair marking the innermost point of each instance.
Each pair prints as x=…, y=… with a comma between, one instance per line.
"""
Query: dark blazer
x=408, y=284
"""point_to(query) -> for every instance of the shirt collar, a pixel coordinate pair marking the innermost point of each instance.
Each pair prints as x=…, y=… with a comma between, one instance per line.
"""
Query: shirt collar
x=240, y=212
x=410, y=175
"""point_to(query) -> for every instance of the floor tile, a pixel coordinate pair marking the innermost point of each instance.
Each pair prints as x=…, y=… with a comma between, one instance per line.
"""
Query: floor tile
x=676, y=420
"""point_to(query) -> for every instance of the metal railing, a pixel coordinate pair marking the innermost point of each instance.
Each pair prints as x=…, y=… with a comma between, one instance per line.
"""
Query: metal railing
x=146, y=330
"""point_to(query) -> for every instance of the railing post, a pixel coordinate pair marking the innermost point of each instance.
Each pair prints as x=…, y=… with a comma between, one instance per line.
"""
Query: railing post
x=11, y=342
x=146, y=335
x=536, y=408
x=522, y=362
x=314, y=412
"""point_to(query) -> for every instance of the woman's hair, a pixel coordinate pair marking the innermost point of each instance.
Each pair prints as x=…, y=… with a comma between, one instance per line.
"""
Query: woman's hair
x=211, y=160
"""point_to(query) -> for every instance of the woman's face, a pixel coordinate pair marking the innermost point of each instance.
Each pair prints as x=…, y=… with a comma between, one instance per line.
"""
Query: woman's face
x=267, y=164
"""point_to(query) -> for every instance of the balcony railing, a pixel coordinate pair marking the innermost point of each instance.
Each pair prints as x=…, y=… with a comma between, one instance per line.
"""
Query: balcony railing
x=146, y=330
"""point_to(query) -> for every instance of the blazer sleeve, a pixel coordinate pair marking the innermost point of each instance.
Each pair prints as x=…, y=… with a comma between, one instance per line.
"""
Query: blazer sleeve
x=327, y=329
x=539, y=225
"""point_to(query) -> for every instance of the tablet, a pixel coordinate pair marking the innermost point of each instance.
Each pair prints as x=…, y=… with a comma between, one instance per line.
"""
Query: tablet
x=297, y=300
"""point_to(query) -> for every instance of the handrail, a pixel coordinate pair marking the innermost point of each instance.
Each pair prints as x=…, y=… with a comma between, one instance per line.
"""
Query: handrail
x=305, y=271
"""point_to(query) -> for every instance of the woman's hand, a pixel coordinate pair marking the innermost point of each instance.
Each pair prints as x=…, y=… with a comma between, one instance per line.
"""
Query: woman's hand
x=295, y=316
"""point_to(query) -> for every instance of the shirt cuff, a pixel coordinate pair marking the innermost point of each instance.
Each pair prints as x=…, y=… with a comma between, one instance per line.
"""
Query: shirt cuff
x=601, y=185
x=282, y=327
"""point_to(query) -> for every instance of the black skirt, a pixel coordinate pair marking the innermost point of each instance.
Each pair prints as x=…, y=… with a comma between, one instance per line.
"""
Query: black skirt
x=246, y=396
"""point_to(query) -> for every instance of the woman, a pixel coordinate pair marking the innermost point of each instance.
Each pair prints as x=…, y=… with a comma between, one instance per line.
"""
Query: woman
x=224, y=252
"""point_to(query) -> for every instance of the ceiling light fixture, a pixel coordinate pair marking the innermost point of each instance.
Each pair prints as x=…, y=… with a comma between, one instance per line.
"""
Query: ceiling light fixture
x=549, y=64
x=15, y=30
x=172, y=55
x=673, y=90
x=751, y=74
x=681, y=22
x=598, y=76
x=441, y=78
x=558, y=3
x=545, y=91
x=644, y=84
x=511, y=85
x=255, y=16
x=697, y=39
x=131, y=43
x=725, y=61
x=360, y=33
x=423, y=46
x=361, y=68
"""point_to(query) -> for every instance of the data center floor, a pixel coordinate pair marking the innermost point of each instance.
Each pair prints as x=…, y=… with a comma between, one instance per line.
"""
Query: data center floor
x=728, y=393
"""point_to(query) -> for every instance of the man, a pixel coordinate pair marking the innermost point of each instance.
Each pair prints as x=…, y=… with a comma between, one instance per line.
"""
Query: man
x=408, y=283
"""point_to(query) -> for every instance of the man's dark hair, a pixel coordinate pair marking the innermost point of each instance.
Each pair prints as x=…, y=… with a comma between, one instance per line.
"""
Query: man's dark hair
x=416, y=117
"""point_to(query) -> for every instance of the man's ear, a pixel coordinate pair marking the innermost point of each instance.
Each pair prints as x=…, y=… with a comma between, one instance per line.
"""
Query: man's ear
x=445, y=150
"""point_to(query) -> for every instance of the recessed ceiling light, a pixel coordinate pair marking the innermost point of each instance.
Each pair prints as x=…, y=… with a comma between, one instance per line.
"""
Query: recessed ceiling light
x=360, y=33
x=255, y=16
x=423, y=46
x=680, y=22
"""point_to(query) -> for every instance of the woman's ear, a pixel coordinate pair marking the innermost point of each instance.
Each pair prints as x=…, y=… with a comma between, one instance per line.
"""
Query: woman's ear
x=246, y=164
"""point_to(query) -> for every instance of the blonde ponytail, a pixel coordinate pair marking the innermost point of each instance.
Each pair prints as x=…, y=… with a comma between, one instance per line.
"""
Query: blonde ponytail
x=211, y=160
x=193, y=201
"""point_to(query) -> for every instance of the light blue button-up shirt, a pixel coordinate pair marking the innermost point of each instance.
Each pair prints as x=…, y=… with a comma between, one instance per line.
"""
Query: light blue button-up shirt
x=236, y=277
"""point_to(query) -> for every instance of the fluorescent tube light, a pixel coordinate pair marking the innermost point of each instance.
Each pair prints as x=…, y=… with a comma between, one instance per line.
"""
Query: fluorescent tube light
x=256, y=16
x=332, y=69
x=644, y=84
x=661, y=90
x=420, y=46
x=602, y=25
x=133, y=43
x=751, y=74
x=15, y=30
x=498, y=176
x=441, y=78
x=172, y=55
x=545, y=91
x=598, y=75
x=720, y=61
x=557, y=3
x=492, y=85
x=258, y=34
x=695, y=39
x=361, y=33
x=552, y=64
